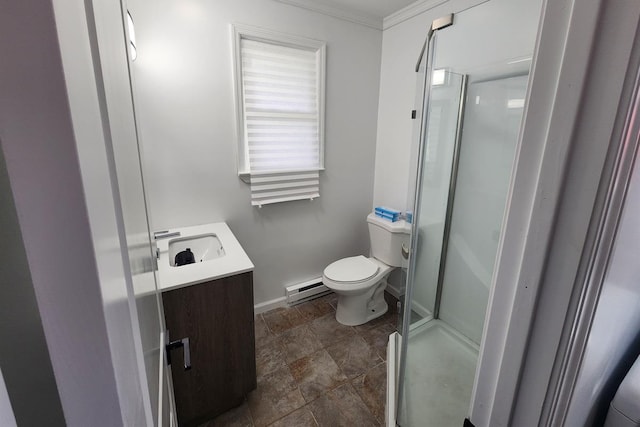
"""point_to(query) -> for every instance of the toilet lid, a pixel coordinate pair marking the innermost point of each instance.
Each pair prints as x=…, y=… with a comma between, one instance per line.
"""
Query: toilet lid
x=353, y=269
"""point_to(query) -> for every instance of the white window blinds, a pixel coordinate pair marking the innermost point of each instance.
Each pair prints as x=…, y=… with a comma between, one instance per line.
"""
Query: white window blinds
x=281, y=115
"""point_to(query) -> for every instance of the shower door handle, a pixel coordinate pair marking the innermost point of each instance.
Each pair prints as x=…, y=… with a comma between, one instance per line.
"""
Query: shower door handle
x=405, y=252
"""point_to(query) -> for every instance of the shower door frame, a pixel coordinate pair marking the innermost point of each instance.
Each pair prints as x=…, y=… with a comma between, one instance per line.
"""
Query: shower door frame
x=453, y=180
x=427, y=55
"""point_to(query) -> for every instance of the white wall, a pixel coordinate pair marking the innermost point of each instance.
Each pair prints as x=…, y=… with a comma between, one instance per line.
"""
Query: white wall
x=184, y=95
x=401, y=45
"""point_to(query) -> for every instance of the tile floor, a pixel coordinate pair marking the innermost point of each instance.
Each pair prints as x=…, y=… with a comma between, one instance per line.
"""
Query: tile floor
x=313, y=371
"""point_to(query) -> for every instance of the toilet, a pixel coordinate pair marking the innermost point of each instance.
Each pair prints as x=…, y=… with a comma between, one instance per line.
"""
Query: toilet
x=360, y=281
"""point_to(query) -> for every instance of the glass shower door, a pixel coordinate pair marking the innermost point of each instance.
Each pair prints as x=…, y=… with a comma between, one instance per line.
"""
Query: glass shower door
x=436, y=373
x=440, y=136
x=476, y=77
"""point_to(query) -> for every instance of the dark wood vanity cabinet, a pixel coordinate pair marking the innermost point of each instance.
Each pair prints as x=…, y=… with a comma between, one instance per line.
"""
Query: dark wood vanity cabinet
x=217, y=316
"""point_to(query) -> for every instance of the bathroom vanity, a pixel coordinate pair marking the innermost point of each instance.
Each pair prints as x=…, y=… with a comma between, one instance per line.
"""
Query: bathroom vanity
x=211, y=303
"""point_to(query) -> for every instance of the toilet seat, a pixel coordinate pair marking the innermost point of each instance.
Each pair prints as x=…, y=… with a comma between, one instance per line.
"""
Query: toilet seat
x=351, y=270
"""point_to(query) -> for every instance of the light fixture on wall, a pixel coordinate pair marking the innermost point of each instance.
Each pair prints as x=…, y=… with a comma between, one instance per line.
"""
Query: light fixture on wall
x=132, y=37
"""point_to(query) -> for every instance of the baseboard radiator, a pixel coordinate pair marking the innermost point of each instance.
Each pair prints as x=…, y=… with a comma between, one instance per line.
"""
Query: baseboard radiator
x=306, y=291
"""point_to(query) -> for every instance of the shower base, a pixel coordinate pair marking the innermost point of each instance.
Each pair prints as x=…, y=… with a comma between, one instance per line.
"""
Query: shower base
x=440, y=368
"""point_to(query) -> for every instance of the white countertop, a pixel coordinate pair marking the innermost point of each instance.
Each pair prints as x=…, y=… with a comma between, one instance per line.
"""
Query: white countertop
x=235, y=260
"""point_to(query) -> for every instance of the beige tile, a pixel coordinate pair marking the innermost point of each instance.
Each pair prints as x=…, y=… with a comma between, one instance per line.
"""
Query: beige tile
x=378, y=338
x=270, y=357
x=354, y=356
x=299, y=342
x=329, y=331
x=315, y=308
x=300, y=418
x=277, y=395
x=387, y=317
x=342, y=407
x=316, y=374
x=331, y=298
x=282, y=319
x=263, y=335
x=372, y=387
x=237, y=417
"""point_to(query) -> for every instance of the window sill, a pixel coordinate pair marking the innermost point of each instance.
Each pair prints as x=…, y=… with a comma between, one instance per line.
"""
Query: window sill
x=246, y=176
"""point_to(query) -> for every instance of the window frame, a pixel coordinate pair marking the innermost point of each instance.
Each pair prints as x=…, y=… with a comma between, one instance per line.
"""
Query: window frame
x=248, y=32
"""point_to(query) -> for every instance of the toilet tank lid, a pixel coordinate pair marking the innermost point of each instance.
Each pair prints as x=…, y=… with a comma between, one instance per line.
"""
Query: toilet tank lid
x=395, y=227
x=352, y=269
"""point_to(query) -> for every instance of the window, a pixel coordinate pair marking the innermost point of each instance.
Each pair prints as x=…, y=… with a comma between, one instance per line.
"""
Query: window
x=280, y=112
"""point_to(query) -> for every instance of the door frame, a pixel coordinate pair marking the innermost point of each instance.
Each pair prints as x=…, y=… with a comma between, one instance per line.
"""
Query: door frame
x=612, y=197
x=564, y=143
x=92, y=37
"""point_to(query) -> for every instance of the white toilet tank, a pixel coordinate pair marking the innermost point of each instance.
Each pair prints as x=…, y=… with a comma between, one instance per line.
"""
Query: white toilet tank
x=386, y=239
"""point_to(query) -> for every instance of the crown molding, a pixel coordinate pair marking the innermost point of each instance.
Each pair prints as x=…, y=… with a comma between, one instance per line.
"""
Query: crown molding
x=409, y=12
x=337, y=12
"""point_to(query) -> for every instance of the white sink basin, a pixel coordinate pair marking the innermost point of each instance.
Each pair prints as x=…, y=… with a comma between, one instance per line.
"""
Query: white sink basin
x=216, y=250
x=205, y=247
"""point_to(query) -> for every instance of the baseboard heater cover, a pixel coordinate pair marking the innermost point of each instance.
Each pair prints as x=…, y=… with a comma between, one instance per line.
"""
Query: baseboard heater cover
x=306, y=291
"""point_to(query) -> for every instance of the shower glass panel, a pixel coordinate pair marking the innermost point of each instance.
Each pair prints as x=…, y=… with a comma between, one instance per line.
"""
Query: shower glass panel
x=442, y=126
x=492, y=119
x=476, y=77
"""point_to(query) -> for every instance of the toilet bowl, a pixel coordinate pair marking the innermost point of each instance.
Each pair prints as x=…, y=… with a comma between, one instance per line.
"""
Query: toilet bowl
x=360, y=281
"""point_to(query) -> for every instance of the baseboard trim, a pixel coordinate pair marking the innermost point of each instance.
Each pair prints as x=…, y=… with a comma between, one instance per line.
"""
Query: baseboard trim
x=393, y=290
x=417, y=307
x=269, y=305
x=420, y=309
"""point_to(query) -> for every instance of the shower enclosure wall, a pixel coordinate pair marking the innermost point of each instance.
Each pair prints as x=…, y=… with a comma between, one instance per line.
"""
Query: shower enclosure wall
x=471, y=89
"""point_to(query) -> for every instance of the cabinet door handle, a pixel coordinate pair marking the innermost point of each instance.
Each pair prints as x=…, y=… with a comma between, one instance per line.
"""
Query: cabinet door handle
x=184, y=343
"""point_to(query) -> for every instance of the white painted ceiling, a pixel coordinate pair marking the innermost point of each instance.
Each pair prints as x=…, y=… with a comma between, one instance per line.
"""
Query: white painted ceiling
x=377, y=8
x=366, y=12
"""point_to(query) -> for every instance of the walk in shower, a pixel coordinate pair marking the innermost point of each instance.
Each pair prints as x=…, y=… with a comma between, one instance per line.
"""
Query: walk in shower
x=472, y=77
